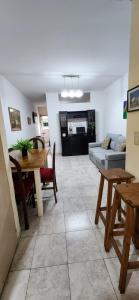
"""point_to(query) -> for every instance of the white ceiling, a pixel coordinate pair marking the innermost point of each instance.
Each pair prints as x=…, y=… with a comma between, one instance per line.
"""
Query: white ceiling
x=41, y=40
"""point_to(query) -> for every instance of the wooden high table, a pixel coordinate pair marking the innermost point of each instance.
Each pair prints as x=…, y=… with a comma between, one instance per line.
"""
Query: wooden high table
x=35, y=160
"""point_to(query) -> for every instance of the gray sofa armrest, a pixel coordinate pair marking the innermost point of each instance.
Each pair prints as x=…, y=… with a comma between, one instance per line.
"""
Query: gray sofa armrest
x=93, y=145
x=116, y=156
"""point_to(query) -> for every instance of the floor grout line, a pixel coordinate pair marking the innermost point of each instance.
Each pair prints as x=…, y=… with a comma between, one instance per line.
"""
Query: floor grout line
x=111, y=280
x=27, y=285
x=67, y=258
x=31, y=266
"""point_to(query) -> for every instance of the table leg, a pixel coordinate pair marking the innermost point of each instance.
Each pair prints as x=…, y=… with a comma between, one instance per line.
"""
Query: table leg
x=101, y=185
x=38, y=192
x=136, y=229
x=108, y=211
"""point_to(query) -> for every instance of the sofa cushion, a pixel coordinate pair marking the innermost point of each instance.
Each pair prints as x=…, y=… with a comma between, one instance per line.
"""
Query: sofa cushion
x=100, y=155
x=97, y=150
x=116, y=139
x=115, y=156
x=105, y=144
x=119, y=141
x=121, y=147
x=112, y=145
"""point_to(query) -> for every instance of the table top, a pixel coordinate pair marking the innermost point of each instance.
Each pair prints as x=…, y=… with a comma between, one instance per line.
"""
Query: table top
x=116, y=175
x=129, y=193
x=36, y=158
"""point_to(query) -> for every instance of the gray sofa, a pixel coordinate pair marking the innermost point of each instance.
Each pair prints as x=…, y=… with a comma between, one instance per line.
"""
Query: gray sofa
x=111, y=158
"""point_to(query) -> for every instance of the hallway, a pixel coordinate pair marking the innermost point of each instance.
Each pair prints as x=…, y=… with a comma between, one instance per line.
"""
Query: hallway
x=61, y=256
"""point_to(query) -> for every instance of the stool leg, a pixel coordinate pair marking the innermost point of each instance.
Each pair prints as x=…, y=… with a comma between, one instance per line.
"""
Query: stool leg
x=108, y=210
x=112, y=221
x=136, y=230
x=119, y=210
x=129, y=229
x=99, y=199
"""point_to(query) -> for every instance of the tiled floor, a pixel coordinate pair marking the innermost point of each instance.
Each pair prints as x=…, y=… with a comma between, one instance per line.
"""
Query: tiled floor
x=61, y=256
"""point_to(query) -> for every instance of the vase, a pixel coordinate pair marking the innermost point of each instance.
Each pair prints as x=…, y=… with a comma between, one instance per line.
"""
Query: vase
x=24, y=152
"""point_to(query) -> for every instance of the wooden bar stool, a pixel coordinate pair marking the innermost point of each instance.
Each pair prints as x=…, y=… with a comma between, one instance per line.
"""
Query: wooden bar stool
x=129, y=194
x=112, y=176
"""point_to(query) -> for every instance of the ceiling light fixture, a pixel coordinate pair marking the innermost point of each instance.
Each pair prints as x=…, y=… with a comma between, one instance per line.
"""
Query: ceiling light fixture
x=71, y=93
x=64, y=93
x=79, y=93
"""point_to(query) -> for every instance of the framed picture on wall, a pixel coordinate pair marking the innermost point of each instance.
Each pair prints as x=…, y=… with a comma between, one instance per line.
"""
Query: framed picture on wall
x=15, y=119
x=133, y=99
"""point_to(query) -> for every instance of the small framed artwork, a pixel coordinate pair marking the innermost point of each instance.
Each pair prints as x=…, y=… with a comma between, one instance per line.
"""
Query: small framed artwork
x=29, y=120
x=125, y=110
x=133, y=99
x=15, y=119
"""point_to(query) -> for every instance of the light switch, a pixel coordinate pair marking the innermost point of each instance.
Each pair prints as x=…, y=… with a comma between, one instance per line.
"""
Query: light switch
x=136, y=138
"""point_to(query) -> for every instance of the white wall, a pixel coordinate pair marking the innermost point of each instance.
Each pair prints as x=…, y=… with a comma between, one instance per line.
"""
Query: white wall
x=113, y=98
x=12, y=97
x=54, y=106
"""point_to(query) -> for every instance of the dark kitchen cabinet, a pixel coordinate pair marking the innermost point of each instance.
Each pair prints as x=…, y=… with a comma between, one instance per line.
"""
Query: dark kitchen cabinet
x=76, y=142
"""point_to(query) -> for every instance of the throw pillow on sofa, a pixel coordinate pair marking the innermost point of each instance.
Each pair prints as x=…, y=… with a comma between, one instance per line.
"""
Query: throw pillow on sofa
x=121, y=147
x=106, y=143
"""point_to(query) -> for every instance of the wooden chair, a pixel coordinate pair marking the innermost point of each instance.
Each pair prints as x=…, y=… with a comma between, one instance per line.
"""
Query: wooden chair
x=36, y=140
x=23, y=186
x=48, y=175
x=129, y=194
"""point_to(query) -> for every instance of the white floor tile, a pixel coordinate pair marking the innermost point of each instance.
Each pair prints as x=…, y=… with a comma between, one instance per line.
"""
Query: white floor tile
x=16, y=285
x=50, y=283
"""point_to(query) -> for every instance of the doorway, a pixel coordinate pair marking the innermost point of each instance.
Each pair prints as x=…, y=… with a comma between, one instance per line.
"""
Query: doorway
x=44, y=125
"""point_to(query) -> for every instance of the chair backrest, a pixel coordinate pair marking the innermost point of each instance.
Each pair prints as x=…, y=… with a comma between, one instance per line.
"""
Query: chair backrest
x=36, y=141
x=19, y=187
x=53, y=162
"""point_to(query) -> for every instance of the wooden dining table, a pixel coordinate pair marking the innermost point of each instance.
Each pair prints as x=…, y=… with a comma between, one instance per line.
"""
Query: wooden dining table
x=36, y=159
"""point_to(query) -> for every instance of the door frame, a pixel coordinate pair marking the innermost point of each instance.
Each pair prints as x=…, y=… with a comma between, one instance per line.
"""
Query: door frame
x=8, y=170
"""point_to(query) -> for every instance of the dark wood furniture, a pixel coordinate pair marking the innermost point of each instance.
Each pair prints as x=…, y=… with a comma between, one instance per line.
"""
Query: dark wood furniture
x=23, y=187
x=36, y=141
x=35, y=160
x=48, y=175
x=112, y=176
x=129, y=194
x=77, y=143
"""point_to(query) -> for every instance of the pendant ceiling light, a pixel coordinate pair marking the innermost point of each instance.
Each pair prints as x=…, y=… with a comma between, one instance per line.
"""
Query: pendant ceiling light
x=64, y=94
x=72, y=92
x=79, y=93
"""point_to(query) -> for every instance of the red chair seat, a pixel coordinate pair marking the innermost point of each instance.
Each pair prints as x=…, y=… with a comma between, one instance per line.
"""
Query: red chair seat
x=46, y=174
